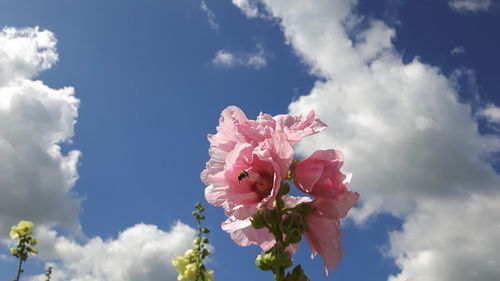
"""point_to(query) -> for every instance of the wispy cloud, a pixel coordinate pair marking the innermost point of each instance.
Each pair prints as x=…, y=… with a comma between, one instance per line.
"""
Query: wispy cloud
x=469, y=6
x=226, y=58
x=413, y=147
x=210, y=15
x=459, y=50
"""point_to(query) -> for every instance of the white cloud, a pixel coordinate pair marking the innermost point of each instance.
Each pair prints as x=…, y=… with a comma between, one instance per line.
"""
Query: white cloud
x=491, y=113
x=413, y=148
x=249, y=7
x=36, y=178
x=256, y=59
x=459, y=50
x=450, y=240
x=473, y=6
x=141, y=252
x=210, y=15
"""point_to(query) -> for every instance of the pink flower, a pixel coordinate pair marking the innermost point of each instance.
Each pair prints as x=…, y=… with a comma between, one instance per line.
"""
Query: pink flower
x=244, y=234
x=250, y=158
x=324, y=234
x=319, y=175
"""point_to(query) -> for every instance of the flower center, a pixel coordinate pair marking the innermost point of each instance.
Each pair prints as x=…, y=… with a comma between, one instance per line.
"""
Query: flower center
x=261, y=183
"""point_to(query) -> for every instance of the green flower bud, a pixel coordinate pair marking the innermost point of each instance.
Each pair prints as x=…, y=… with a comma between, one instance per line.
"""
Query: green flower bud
x=205, y=253
x=293, y=236
x=262, y=263
x=284, y=189
x=283, y=259
x=270, y=217
x=258, y=221
x=294, y=220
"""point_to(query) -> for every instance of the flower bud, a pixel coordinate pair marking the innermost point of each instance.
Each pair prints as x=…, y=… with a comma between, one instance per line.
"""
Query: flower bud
x=270, y=217
x=257, y=220
x=294, y=220
x=14, y=252
x=205, y=253
x=33, y=242
x=283, y=259
x=262, y=263
x=293, y=236
x=284, y=189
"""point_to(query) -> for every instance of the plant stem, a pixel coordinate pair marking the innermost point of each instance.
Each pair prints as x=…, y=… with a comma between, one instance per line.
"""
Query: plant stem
x=198, y=271
x=19, y=268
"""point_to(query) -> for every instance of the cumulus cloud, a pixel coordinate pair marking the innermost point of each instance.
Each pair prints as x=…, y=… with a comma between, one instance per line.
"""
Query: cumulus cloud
x=459, y=50
x=413, y=147
x=449, y=240
x=210, y=15
x=469, y=6
x=256, y=59
x=36, y=178
x=141, y=252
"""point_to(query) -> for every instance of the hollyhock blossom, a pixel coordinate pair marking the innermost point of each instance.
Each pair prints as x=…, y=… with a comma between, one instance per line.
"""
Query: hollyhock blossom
x=324, y=235
x=319, y=175
x=244, y=234
x=249, y=160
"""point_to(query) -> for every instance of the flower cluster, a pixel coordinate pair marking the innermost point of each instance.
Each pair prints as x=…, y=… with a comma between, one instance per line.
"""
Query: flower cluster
x=252, y=162
x=190, y=266
x=22, y=231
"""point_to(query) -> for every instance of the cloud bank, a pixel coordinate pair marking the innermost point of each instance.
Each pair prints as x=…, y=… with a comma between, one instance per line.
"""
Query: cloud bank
x=413, y=148
x=141, y=252
x=36, y=178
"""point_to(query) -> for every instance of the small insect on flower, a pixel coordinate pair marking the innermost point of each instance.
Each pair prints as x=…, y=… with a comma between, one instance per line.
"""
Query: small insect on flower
x=243, y=174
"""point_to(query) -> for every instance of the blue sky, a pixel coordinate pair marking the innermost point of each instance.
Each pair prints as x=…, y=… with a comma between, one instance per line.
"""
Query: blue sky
x=408, y=88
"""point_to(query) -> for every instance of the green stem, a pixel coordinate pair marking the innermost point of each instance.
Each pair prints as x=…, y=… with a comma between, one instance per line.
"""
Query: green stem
x=19, y=268
x=279, y=274
x=198, y=247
